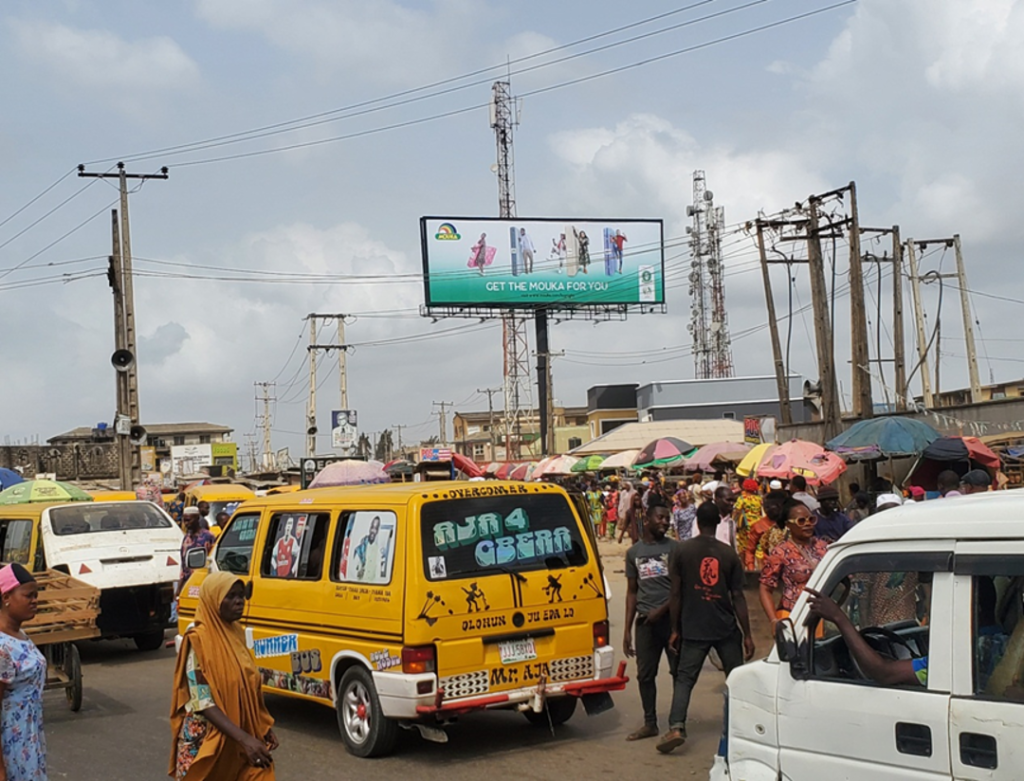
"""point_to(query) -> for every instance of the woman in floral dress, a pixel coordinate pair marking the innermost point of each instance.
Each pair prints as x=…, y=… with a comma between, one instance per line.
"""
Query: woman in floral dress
x=792, y=562
x=22, y=675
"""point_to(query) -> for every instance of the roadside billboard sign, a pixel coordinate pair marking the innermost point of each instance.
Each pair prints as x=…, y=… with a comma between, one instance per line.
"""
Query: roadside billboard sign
x=344, y=429
x=551, y=263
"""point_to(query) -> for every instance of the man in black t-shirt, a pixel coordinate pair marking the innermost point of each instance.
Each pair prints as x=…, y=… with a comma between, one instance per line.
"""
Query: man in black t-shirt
x=705, y=604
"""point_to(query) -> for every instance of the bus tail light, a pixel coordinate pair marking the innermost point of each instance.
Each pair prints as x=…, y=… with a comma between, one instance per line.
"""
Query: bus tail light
x=419, y=659
x=601, y=634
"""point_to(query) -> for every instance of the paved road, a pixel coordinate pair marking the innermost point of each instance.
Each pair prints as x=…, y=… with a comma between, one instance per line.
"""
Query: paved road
x=122, y=733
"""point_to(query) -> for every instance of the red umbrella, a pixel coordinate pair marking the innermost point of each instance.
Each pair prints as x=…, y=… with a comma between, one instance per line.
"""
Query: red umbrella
x=519, y=473
x=504, y=470
x=798, y=457
x=466, y=465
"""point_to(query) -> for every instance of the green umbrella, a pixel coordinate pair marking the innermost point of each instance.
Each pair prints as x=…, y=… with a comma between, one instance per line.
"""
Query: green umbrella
x=43, y=491
x=588, y=464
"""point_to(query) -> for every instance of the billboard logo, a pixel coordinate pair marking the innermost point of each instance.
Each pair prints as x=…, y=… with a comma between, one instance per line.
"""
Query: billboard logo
x=447, y=232
x=647, y=292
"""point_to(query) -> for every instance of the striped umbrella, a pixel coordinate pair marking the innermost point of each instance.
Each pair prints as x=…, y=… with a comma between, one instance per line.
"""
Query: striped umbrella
x=663, y=452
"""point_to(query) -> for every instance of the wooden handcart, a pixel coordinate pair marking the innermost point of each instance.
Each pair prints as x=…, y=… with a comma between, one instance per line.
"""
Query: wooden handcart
x=68, y=609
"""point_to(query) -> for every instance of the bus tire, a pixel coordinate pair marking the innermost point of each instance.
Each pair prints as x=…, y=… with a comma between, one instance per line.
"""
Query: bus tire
x=365, y=730
x=149, y=641
x=559, y=709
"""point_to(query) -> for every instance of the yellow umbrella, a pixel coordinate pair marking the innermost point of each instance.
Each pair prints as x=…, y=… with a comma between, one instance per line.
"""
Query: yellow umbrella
x=754, y=458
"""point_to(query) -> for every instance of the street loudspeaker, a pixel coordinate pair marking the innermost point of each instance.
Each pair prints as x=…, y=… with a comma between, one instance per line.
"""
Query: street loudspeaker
x=123, y=360
x=137, y=435
x=311, y=430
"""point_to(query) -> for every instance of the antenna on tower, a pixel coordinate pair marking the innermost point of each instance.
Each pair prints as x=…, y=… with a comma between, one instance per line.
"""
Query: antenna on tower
x=504, y=116
x=709, y=324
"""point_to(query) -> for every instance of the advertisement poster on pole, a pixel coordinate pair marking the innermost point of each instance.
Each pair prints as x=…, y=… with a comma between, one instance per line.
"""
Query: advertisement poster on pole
x=344, y=429
x=526, y=263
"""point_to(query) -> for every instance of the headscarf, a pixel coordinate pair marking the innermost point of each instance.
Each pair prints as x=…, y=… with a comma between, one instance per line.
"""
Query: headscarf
x=12, y=576
x=235, y=685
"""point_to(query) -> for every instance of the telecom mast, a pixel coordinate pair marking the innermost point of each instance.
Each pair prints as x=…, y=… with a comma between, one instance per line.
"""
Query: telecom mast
x=709, y=324
x=517, y=384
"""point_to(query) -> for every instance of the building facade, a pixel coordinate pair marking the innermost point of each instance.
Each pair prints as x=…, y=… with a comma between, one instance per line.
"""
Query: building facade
x=733, y=398
x=481, y=435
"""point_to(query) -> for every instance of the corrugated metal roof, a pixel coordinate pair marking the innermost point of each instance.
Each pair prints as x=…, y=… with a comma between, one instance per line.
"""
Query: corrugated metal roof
x=153, y=429
x=633, y=436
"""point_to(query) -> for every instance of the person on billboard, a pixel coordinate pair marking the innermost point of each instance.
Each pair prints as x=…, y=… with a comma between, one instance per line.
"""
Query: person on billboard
x=558, y=251
x=481, y=255
x=617, y=241
x=584, y=249
x=526, y=245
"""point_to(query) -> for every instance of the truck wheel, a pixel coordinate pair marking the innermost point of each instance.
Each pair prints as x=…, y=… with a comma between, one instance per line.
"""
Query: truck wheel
x=366, y=731
x=149, y=641
x=559, y=709
x=73, y=670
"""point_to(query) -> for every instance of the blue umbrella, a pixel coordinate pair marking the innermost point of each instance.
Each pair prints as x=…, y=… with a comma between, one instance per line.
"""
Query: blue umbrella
x=9, y=477
x=883, y=438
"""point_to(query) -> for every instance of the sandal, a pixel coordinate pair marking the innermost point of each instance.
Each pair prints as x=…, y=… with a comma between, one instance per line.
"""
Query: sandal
x=646, y=731
x=671, y=740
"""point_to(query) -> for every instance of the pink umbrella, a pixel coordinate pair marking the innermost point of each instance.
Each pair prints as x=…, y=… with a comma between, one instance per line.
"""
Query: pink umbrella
x=559, y=465
x=521, y=472
x=350, y=472
x=798, y=457
x=701, y=460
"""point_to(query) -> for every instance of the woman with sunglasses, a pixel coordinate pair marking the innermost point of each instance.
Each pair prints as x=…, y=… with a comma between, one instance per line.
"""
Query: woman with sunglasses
x=792, y=562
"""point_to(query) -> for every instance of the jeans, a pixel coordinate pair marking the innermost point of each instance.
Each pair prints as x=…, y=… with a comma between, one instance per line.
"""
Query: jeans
x=692, y=654
x=651, y=642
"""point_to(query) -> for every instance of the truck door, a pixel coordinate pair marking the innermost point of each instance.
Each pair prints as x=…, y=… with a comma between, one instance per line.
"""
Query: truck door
x=987, y=707
x=837, y=724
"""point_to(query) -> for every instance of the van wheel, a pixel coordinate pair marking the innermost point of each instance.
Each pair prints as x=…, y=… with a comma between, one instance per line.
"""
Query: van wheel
x=559, y=709
x=366, y=731
x=149, y=641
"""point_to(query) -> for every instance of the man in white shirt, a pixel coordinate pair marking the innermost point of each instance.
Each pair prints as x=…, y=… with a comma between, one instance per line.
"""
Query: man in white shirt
x=527, y=248
x=725, y=501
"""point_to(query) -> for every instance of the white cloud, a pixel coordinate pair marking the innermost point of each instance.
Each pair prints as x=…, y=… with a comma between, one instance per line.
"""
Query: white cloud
x=101, y=59
x=380, y=41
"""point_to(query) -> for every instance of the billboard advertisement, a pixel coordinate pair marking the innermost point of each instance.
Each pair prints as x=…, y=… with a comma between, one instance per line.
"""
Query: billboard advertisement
x=344, y=429
x=470, y=261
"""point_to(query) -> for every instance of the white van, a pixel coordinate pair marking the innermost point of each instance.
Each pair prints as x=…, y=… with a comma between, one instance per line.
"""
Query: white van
x=131, y=551
x=942, y=582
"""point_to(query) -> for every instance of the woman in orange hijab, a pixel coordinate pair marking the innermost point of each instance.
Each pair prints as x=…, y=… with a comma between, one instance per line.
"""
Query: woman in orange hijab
x=220, y=725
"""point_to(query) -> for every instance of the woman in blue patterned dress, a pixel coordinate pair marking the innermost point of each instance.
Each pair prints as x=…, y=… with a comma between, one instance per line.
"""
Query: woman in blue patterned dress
x=22, y=675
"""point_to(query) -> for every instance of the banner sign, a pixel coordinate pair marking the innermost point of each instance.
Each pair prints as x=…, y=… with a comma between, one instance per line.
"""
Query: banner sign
x=344, y=429
x=528, y=263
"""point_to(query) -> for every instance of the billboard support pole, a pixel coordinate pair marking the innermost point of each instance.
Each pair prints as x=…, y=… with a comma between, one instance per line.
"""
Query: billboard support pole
x=543, y=378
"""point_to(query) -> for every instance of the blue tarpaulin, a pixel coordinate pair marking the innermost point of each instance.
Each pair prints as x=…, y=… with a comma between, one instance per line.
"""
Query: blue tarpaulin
x=9, y=477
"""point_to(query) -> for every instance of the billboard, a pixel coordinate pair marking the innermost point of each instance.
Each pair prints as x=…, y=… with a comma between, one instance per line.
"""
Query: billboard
x=344, y=429
x=529, y=263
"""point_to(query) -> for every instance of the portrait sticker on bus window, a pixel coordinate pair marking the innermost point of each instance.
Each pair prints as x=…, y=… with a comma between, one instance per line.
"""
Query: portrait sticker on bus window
x=287, y=545
x=367, y=551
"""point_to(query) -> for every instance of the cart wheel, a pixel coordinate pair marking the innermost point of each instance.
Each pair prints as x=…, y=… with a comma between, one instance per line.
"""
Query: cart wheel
x=73, y=669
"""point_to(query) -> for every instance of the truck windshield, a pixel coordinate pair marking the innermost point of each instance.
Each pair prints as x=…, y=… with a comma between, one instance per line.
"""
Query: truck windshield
x=491, y=535
x=89, y=518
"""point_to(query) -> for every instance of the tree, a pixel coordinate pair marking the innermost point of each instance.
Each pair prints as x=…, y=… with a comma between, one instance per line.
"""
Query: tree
x=364, y=447
x=385, y=446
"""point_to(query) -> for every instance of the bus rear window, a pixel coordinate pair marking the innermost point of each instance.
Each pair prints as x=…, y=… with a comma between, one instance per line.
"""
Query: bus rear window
x=490, y=535
x=115, y=516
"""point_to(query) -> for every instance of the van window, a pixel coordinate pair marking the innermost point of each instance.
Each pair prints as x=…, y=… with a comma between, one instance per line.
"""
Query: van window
x=234, y=548
x=365, y=553
x=90, y=518
x=16, y=543
x=295, y=546
x=485, y=535
x=890, y=607
x=997, y=629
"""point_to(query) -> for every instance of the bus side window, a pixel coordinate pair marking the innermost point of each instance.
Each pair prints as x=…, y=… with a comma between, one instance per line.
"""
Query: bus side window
x=16, y=543
x=234, y=548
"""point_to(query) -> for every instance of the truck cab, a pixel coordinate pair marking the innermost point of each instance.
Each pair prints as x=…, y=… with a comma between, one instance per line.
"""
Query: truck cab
x=939, y=582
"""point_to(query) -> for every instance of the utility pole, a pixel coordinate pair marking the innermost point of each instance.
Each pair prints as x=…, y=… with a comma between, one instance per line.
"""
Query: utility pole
x=965, y=305
x=781, y=380
x=123, y=358
x=863, y=406
x=267, y=457
x=313, y=348
x=830, y=410
x=442, y=420
x=130, y=475
x=709, y=326
x=398, y=427
x=922, y=339
x=490, y=414
x=898, y=337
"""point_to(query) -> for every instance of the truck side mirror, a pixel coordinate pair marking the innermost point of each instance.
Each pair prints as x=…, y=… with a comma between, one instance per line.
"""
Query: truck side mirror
x=790, y=650
x=195, y=559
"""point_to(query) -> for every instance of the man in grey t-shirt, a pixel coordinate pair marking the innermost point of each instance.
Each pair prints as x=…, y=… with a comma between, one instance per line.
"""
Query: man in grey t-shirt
x=647, y=597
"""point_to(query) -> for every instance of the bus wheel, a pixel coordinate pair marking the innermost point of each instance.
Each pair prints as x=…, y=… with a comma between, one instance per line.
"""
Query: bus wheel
x=149, y=641
x=558, y=709
x=365, y=730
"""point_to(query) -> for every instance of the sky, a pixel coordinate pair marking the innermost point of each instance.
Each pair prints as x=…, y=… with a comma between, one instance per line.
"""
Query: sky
x=918, y=101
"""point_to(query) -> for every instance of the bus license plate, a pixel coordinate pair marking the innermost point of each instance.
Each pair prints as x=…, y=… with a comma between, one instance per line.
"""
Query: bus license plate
x=515, y=651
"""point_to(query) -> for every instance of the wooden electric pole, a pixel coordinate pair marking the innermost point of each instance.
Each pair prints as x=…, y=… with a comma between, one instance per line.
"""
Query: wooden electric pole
x=830, y=410
x=781, y=380
x=863, y=406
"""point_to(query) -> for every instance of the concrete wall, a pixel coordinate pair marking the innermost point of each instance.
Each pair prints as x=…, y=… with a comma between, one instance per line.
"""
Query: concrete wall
x=94, y=461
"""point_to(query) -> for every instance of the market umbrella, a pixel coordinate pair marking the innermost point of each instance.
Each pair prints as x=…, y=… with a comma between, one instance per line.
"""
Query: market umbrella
x=560, y=465
x=958, y=449
x=399, y=467
x=43, y=491
x=467, y=465
x=701, y=460
x=798, y=457
x=662, y=452
x=588, y=464
x=621, y=460
x=889, y=437
x=522, y=472
x=754, y=458
x=505, y=470
x=9, y=477
x=350, y=472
